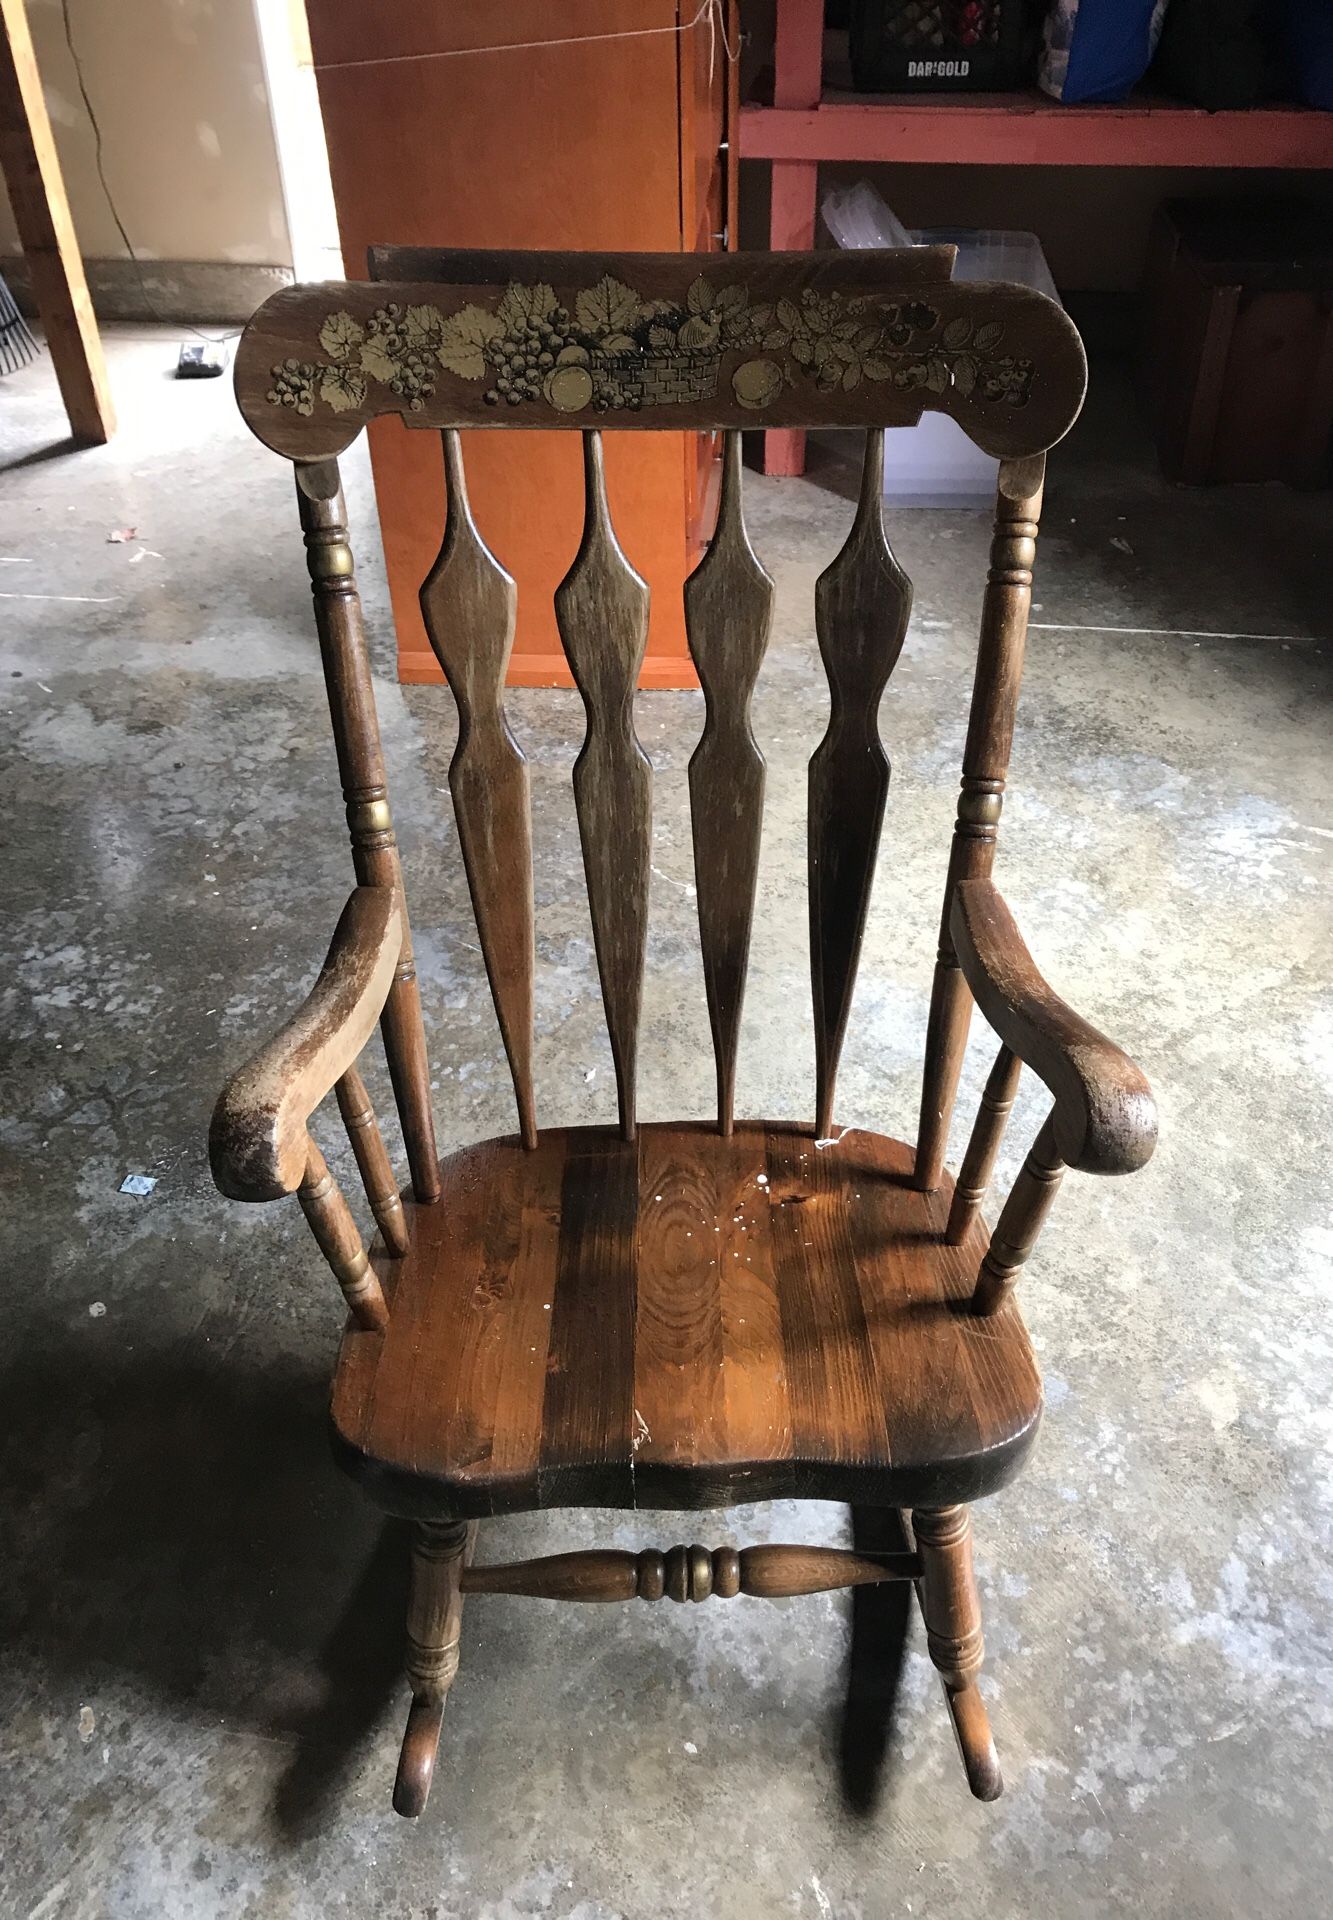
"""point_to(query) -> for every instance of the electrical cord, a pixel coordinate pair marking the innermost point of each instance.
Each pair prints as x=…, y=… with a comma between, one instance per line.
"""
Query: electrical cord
x=213, y=340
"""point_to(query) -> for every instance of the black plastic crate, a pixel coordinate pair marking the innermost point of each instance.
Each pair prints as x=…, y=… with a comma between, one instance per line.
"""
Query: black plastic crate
x=934, y=46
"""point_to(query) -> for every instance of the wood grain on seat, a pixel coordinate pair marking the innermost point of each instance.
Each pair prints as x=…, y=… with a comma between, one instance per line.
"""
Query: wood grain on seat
x=684, y=1320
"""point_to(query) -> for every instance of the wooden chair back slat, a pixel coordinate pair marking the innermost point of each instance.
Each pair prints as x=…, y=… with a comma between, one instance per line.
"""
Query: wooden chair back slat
x=468, y=606
x=601, y=609
x=356, y=738
x=862, y=604
x=990, y=733
x=728, y=611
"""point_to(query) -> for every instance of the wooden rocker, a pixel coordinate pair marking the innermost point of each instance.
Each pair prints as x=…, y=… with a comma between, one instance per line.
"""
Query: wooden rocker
x=690, y=1315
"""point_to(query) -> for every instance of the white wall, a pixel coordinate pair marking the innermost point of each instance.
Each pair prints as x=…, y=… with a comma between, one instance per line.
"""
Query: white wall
x=178, y=86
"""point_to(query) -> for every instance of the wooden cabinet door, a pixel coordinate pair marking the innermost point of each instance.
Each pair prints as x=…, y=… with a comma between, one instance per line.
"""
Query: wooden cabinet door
x=435, y=139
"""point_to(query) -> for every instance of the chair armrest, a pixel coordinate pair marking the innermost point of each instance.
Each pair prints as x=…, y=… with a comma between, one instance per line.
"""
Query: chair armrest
x=257, y=1143
x=1104, y=1119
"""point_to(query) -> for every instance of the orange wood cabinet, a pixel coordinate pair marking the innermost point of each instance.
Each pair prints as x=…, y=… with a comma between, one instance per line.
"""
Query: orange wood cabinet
x=609, y=133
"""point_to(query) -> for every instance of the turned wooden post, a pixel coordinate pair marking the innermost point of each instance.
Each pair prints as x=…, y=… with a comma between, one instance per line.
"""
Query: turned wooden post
x=434, y=1620
x=691, y=1573
x=952, y=1611
x=1021, y=1220
x=1004, y=623
x=356, y=738
x=376, y=1172
x=339, y=1239
x=974, y=1176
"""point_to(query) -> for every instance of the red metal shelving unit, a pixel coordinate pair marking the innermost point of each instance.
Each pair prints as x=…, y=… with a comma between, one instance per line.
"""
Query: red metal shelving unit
x=808, y=123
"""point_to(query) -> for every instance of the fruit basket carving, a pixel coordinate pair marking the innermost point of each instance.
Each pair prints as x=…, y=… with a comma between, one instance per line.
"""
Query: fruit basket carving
x=613, y=351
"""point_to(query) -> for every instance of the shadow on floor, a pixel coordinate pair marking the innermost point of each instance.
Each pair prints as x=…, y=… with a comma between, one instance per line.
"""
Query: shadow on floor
x=184, y=1527
x=881, y=1621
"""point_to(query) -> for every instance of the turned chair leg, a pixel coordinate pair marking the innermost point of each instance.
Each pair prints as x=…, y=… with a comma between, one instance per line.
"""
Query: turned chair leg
x=440, y=1549
x=948, y=1594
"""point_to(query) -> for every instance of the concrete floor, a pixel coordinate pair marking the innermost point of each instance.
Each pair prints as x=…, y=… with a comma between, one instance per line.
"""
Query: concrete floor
x=199, y=1698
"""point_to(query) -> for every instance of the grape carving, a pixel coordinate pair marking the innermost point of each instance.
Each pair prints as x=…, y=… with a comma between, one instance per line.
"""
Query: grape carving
x=605, y=349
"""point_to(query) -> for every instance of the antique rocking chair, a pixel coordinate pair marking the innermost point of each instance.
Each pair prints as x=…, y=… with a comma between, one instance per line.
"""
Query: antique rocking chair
x=689, y=1315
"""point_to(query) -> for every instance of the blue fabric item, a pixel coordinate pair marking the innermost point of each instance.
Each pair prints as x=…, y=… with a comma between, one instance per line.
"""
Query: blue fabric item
x=1307, y=32
x=1098, y=49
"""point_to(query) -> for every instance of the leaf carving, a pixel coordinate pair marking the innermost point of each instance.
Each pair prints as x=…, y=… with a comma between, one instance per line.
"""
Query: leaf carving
x=463, y=341
x=377, y=361
x=423, y=327
x=339, y=334
x=519, y=306
x=343, y=387
x=609, y=307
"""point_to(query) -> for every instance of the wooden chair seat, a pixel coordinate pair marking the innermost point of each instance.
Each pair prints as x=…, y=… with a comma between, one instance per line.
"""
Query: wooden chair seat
x=683, y=1320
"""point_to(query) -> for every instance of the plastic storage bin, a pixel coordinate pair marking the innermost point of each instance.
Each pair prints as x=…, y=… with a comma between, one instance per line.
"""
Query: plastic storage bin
x=934, y=464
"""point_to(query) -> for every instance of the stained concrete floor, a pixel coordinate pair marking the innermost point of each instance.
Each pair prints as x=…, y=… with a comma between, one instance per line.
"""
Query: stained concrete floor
x=200, y=1704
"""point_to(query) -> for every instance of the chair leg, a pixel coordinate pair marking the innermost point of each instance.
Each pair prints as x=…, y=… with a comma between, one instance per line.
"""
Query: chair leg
x=948, y=1594
x=440, y=1549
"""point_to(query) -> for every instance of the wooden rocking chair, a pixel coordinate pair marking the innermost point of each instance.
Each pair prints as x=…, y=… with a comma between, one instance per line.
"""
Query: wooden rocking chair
x=689, y=1315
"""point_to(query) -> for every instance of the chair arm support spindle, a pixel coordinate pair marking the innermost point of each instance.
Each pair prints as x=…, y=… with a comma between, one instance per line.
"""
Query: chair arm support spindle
x=339, y=1239
x=372, y=1159
x=1021, y=1220
x=974, y=1176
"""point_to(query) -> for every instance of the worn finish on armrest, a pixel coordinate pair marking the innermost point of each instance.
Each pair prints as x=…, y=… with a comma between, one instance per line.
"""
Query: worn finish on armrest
x=1104, y=1119
x=257, y=1144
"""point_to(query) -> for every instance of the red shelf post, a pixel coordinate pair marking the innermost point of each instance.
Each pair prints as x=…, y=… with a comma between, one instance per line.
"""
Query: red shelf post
x=798, y=78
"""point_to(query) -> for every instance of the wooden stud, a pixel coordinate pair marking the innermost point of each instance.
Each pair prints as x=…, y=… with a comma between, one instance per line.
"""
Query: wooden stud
x=1004, y=623
x=728, y=611
x=434, y=1620
x=601, y=608
x=974, y=1176
x=31, y=167
x=339, y=1239
x=691, y=1573
x=862, y=606
x=1021, y=1220
x=376, y=1171
x=948, y=1594
x=356, y=738
x=468, y=604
